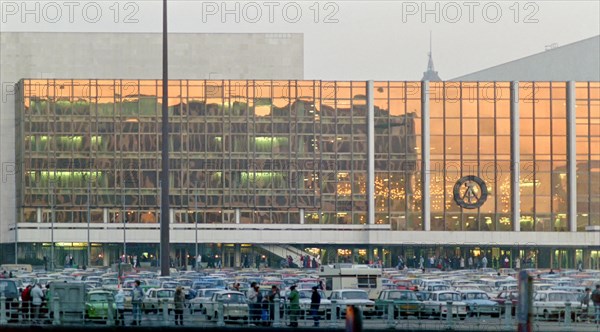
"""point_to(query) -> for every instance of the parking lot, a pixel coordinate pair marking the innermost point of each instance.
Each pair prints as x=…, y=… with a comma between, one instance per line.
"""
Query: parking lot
x=473, y=300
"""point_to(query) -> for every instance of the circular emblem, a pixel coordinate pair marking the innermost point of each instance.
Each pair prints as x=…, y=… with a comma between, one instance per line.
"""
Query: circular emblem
x=470, y=192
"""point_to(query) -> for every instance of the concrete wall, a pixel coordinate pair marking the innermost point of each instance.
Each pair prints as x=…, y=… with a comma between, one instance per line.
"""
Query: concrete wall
x=308, y=234
x=130, y=56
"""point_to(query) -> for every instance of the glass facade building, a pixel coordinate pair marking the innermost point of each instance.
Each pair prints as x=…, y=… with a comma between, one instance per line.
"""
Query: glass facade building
x=312, y=153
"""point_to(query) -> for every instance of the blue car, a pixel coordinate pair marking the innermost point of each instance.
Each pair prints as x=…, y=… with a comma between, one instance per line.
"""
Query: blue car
x=479, y=303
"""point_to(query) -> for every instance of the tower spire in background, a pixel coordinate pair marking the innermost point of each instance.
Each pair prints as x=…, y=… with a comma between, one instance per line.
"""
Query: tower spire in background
x=430, y=74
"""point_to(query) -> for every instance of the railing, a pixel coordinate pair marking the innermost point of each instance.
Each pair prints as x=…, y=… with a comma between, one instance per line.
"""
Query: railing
x=192, y=226
x=442, y=316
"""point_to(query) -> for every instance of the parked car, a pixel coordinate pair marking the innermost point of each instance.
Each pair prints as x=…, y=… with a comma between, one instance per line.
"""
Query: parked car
x=97, y=305
x=436, y=304
x=305, y=300
x=234, y=305
x=511, y=297
x=203, y=296
x=357, y=297
x=552, y=304
x=479, y=303
x=9, y=289
x=405, y=303
x=154, y=299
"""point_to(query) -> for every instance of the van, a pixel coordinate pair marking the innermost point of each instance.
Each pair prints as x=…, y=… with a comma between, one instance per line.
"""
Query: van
x=342, y=276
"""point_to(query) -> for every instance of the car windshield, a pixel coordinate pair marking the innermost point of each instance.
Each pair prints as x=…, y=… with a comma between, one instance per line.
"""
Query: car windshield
x=562, y=297
x=164, y=294
x=8, y=288
x=448, y=297
x=404, y=296
x=355, y=295
x=98, y=297
x=476, y=296
x=110, y=281
x=232, y=298
x=209, y=293
x=169, y=285
x=153, y=282
x=307, y=294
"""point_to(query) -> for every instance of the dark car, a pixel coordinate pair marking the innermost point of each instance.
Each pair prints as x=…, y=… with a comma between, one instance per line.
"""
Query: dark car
x=8, y=289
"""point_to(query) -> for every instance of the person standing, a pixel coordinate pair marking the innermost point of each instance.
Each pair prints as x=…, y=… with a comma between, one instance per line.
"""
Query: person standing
x=315, y=302
x=199, y=262
x=470, y=262
x=26, y=302
x=596, y=301
x=585, y=305
x=273, y=300
x=37, y=298
x=294, y=298
x=484, y=262
x=120, y=303
x=253, y=303
x=462, y=263
x=137, y=297
x=179, y=304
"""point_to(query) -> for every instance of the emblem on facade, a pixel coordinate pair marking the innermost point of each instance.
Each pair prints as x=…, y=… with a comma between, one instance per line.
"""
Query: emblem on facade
x=470, y=192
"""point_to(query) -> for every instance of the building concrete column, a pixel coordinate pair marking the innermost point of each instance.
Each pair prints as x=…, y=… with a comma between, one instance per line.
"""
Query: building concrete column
x=515, y=157
x=370, y=154
x=171, y=216
x=105, y=215
x=38, y=215
x=302, y=216
x=425, y=158
x=571, y=158
x=237, y=255
x=587, y=256
x=237, y=216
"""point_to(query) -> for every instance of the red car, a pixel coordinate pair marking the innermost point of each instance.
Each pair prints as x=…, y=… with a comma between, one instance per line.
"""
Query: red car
x=504, y=296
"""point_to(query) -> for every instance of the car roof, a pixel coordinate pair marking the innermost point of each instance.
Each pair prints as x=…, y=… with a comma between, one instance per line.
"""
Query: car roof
x=228, y=292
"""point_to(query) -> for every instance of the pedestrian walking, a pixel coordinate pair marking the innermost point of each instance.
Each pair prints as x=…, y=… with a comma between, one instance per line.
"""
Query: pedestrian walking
x=120, y=304
x=137, y=297
x=294, y=298
x=179, y=305
x=315, y=302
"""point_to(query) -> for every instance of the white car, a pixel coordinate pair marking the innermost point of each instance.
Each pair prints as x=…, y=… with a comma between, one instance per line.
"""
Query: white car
x=552, y=304
x=347, y=297
x=436, y=304
x=305, y=301
x=155, y=297
x=199, y=302
x=234, y=305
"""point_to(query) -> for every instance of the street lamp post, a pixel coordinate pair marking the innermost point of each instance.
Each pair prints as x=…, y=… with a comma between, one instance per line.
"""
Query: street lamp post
x=52, y=219
x=164, y=204
x=124, y=227
x=89, y=218
x=196, y=220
